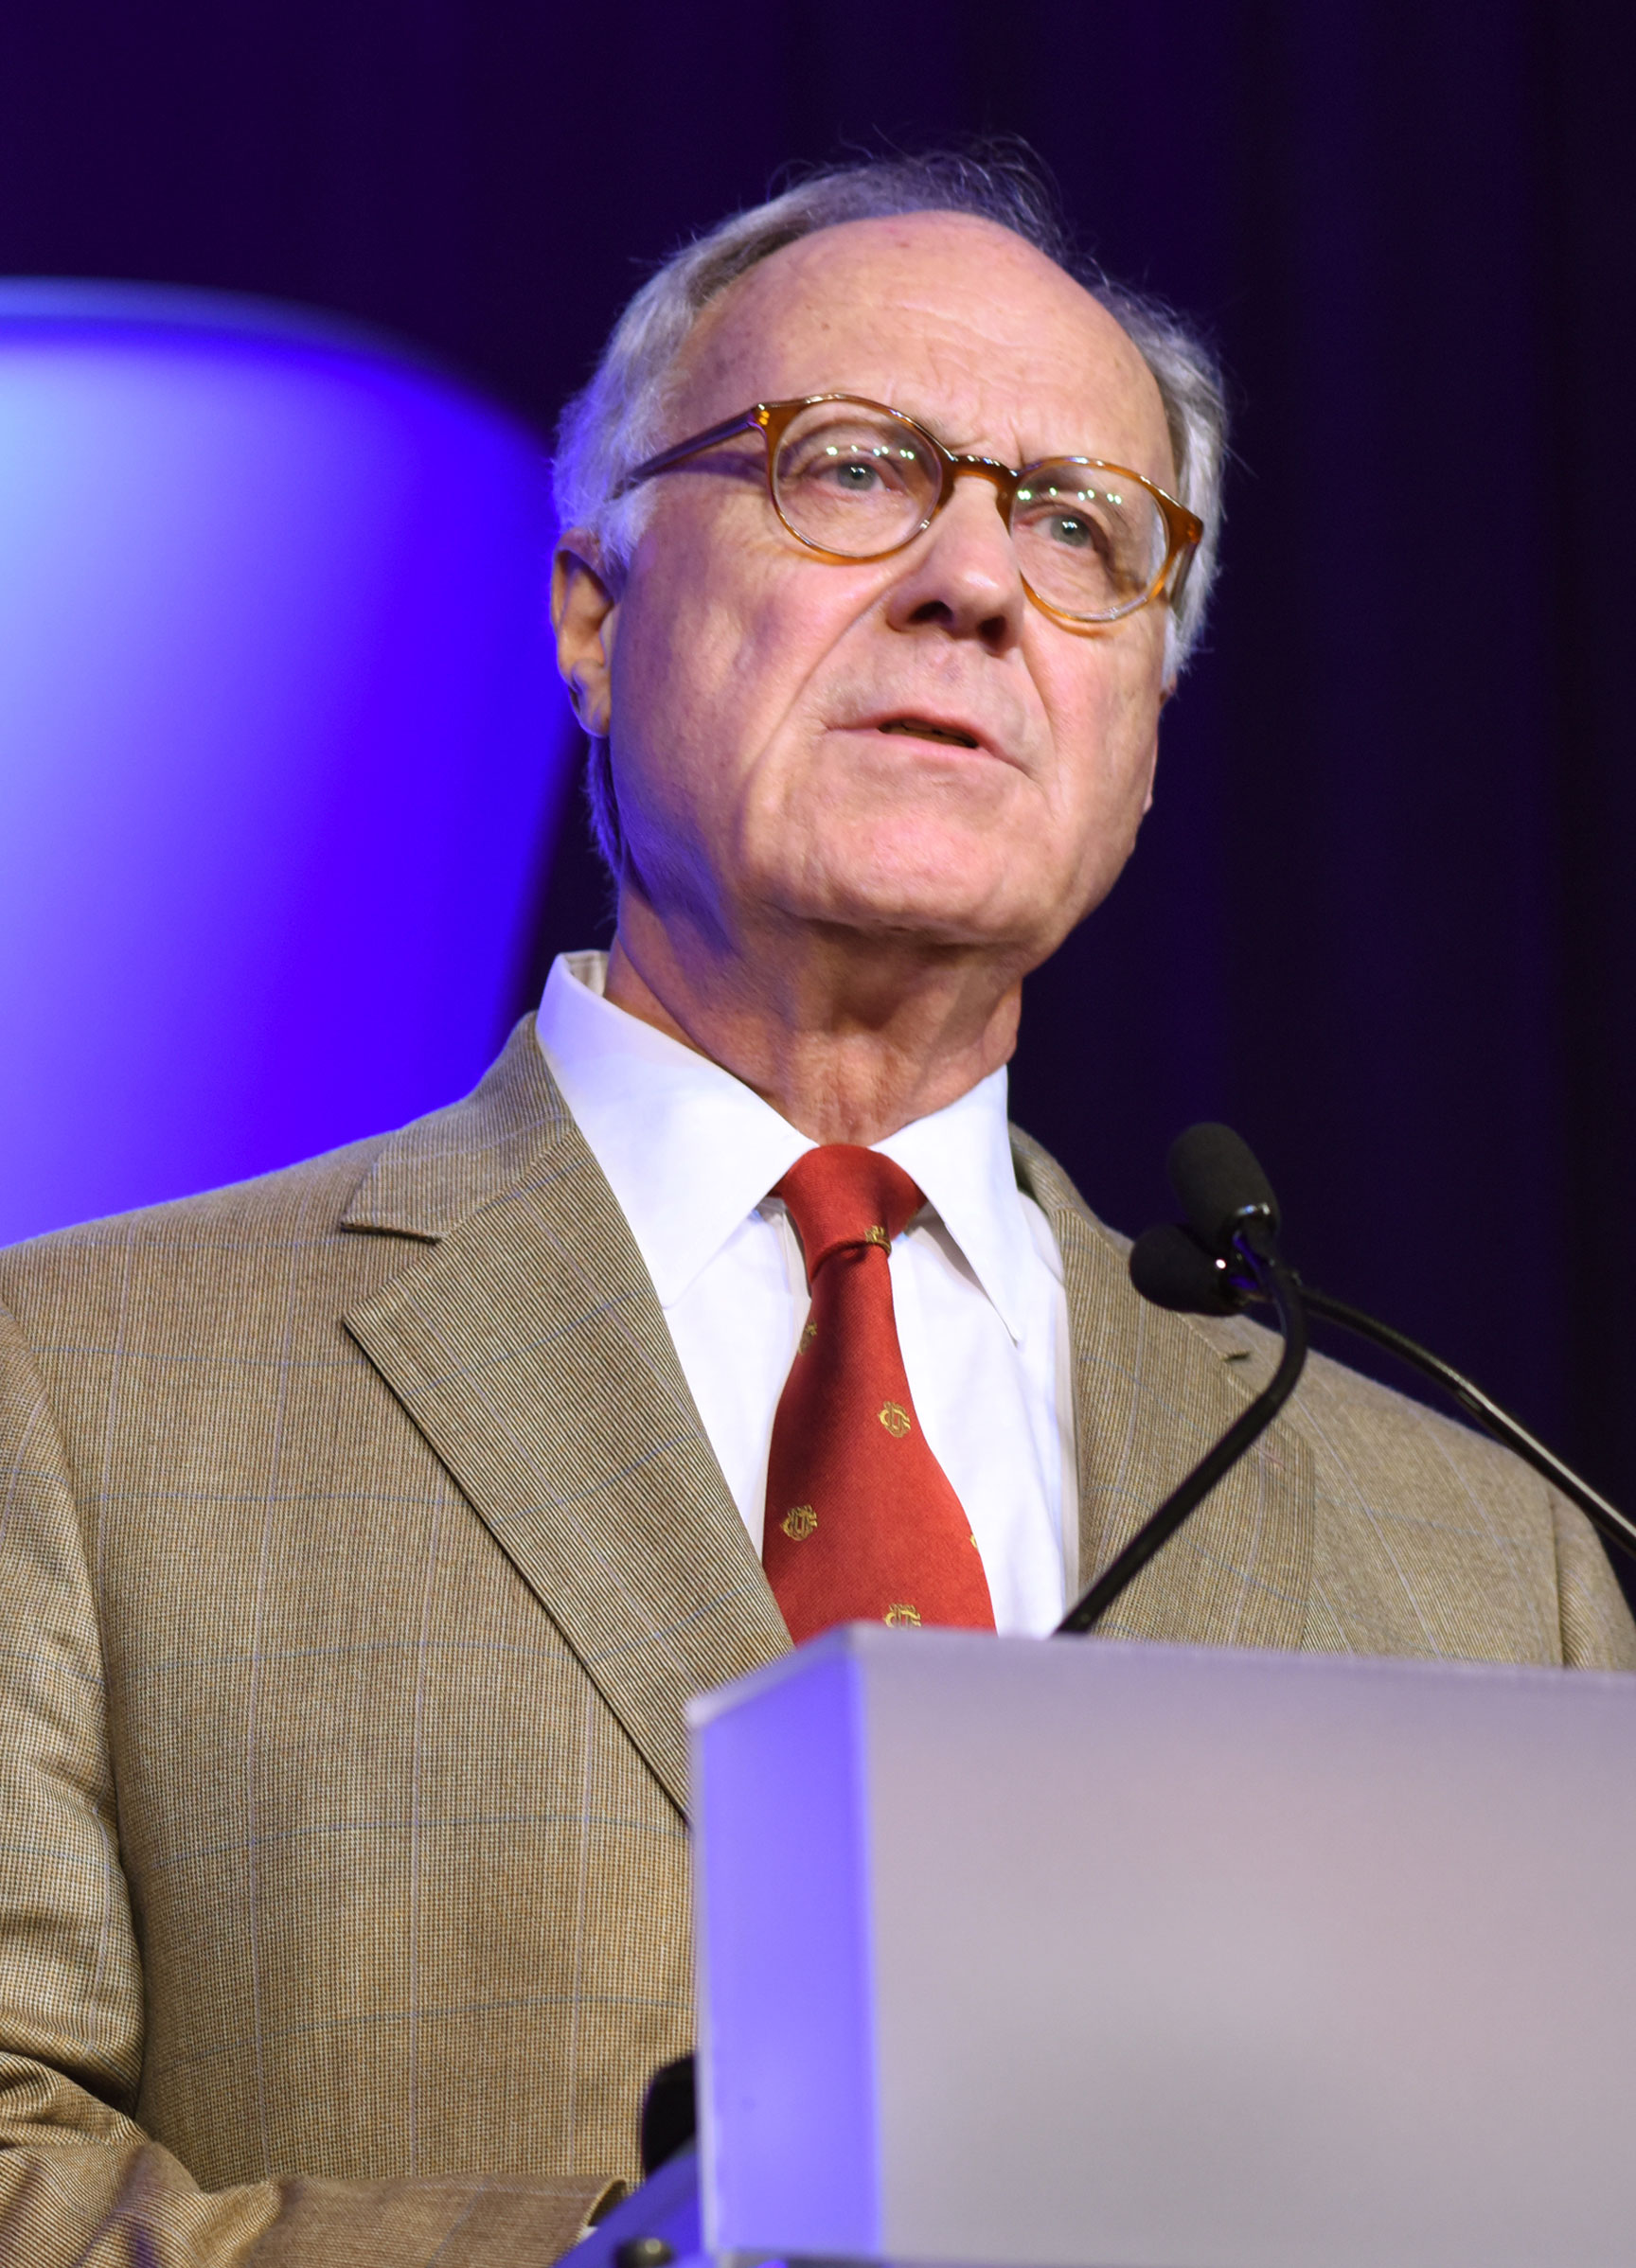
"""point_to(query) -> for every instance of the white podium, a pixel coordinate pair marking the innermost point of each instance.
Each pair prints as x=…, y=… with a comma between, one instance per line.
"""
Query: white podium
x=1082, y=1955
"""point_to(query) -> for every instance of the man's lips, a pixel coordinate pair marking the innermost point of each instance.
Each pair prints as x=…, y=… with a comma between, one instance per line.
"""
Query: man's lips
x=950, y=727
x=932, y=728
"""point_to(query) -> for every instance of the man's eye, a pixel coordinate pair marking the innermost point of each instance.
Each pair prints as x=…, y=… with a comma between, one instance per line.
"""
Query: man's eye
x=852, y=469
x=844, y=473
x=1075, y=533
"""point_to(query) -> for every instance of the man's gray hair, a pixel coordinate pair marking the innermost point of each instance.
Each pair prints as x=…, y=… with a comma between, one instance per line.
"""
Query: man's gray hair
x=617, y=419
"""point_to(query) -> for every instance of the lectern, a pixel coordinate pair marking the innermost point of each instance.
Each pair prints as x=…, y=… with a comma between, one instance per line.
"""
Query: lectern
x=1025, y=1954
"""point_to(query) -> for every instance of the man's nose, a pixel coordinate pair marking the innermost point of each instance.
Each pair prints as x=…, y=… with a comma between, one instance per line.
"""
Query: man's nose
x=962, y=574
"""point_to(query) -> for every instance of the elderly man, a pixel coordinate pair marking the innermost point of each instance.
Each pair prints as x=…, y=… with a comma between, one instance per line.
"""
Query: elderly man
x=365, y=1528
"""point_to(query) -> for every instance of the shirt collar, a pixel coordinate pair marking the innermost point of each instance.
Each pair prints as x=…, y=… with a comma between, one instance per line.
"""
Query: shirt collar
x=690, y=1152
x=961, y=1156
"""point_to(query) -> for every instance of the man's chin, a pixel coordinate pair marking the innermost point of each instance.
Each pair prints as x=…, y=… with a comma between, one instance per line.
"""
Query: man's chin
x=893, y=911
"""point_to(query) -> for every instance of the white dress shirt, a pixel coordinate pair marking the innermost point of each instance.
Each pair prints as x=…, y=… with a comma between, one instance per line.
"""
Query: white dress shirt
x=691, y=1154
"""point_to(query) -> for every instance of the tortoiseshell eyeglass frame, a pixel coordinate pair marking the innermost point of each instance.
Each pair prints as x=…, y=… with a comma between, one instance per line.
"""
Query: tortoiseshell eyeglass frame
x=772, y=419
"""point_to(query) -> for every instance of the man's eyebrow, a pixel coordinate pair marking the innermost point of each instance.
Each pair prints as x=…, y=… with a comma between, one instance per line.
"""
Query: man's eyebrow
x=1014, y=457
x=957, y=444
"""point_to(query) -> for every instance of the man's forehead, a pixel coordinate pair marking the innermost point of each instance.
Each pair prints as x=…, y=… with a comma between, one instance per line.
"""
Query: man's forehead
x=948, y=316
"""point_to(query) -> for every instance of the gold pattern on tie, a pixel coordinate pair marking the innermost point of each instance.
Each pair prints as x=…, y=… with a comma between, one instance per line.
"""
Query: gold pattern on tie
x=862, y=1524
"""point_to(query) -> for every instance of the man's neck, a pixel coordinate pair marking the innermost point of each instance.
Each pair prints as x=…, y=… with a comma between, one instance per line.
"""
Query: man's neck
x=847, y=1040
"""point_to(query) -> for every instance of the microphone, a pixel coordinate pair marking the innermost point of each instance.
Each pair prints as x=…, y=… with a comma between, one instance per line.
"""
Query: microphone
x=1171, y=1268
x=669, y=2116
x=1228, y=1253
x=1223, y=1191
x=1177, y=1267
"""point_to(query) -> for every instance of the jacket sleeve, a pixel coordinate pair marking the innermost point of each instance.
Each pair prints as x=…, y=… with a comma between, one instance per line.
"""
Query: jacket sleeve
x=1597, y=1630
x=81, y=2185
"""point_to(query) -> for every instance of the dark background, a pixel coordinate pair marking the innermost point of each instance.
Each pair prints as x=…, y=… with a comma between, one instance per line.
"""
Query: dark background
x=1383, y=916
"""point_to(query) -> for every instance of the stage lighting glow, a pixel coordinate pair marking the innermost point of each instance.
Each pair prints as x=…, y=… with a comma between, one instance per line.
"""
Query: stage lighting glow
x=281, y=741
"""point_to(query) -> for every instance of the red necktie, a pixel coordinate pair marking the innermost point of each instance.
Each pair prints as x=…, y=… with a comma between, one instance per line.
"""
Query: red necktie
x=862, y=1522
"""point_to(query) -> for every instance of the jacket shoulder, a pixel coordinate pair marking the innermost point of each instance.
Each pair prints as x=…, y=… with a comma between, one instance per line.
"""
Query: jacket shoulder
x=314, y=1189
x=1430, y=1537
x=452, y=1158
x=1341, y=1400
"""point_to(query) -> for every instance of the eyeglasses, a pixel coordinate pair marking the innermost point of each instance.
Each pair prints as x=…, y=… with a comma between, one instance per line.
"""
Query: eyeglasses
x=853, y=480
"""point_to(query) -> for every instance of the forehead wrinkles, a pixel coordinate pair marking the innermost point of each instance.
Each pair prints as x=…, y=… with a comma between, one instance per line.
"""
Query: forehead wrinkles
x=1023, y=364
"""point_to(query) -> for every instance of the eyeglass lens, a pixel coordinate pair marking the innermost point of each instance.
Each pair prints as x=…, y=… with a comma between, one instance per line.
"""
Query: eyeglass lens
x=859, y=483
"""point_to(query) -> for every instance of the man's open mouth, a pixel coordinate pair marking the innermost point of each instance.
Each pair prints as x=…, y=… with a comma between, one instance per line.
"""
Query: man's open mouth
x=921, y=729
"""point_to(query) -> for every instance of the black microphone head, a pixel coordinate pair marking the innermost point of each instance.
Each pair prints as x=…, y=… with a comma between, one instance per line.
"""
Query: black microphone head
x=1222, y=1190
x=1172, y=1267
x=669, y=2116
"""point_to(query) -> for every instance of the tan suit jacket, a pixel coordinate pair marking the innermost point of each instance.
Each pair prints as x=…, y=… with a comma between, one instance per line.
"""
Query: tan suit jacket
x=359, y=1542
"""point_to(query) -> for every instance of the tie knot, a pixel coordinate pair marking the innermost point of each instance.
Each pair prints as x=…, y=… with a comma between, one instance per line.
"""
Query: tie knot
x=841, y=1195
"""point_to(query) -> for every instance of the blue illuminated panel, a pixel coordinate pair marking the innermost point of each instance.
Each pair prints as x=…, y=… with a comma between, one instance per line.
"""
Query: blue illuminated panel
x=280, y=742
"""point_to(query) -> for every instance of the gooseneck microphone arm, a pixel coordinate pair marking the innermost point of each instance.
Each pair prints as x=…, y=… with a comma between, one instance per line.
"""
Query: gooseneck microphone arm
x=1229, y=1254
x=1216, y=1265
x=1607, y=1517
x=1278, y=1285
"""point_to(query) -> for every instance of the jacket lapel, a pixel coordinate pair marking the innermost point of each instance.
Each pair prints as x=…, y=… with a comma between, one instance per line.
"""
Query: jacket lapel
x=1151, y=1392
x=529, y=1349
x=528, y=1345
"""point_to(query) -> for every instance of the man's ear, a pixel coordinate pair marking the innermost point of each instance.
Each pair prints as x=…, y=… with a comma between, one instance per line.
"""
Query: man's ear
x=1164, y=692
x=583, y=614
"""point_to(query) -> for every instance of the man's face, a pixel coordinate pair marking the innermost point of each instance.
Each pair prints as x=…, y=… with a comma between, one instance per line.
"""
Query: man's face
x=775, y=719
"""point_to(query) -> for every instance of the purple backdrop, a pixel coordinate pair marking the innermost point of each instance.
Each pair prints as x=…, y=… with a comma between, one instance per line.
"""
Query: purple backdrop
x=1379, y=917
